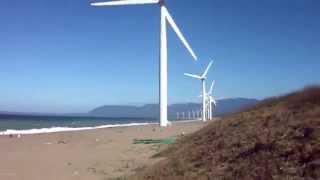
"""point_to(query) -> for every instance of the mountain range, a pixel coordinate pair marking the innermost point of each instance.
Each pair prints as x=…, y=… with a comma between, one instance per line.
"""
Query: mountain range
x=224, y=106
x=150, y=111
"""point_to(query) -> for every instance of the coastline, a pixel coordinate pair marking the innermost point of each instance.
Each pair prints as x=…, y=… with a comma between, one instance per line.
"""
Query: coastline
x=65, y=129
x=72, y=129
x=99, y=153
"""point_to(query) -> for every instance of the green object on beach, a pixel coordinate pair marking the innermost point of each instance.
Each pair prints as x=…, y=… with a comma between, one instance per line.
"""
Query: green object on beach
x=170, y=140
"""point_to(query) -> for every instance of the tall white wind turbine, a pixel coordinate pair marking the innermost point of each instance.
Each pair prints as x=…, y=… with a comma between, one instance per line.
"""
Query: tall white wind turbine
x=203, y=78
x=165, y=17
x=211, y=99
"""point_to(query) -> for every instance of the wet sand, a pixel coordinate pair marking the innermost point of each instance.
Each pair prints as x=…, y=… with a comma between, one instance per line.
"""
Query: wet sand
x=94, y=154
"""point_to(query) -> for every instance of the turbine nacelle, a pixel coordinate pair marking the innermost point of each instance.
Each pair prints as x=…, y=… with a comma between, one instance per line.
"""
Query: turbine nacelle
x=203, y=77
x=161, y=2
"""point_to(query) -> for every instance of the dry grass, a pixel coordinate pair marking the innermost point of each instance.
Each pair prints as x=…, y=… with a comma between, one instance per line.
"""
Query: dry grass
x=277, y=139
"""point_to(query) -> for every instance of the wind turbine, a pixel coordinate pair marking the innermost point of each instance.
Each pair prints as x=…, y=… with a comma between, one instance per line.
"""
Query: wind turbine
x=203, y=78
x=183, y=117
x=211, y=99
x=193, y=115
x=164, y=18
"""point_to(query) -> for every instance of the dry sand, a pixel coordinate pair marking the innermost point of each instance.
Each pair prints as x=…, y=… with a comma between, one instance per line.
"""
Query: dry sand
x=83, y=155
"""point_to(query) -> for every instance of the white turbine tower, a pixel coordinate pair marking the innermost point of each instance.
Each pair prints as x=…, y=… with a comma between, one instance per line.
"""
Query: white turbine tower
x=211, y=99
x=165, y=17
x=203, y=78
x=183, y=116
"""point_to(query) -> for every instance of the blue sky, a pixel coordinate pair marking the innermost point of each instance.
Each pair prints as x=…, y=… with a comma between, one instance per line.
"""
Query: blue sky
x=65, y=56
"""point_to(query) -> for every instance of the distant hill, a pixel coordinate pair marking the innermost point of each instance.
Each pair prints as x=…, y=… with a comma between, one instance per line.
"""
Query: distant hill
x=152, y=110
x=276, y=139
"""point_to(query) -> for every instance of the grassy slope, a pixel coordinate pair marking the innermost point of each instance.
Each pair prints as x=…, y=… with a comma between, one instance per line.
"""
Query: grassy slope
x=277, y=139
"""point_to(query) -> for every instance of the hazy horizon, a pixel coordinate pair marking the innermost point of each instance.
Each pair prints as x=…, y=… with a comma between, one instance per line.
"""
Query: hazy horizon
x=88, y=110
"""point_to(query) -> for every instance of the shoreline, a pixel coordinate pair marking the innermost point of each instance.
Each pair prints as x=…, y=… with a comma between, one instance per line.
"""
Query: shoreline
x=11, y=132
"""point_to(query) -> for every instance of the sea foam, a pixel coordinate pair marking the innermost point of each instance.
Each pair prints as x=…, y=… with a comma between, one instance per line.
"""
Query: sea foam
x=66, y=129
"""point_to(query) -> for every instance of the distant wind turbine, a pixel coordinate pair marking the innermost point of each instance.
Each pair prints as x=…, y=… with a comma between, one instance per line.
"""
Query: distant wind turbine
x=165, y=17
x=203, y=78
x=211, y=99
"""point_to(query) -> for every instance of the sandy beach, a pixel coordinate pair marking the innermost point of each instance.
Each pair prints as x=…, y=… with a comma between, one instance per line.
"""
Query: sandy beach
x=93, y=154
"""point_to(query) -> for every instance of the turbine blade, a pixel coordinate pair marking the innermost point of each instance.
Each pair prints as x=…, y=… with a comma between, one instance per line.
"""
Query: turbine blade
x=214, y=100
x=124, y=2
x=207, y=70
x=192, y=75
x=211, y=87
x=178, y=32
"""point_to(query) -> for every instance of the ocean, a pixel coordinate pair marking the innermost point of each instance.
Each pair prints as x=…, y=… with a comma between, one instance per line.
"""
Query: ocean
x=34, y=124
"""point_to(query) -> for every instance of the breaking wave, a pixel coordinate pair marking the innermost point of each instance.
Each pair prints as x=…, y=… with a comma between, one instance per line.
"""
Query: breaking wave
x=66, y=129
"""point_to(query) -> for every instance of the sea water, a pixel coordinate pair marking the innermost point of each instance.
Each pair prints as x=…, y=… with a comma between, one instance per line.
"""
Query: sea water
x=34, y=124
